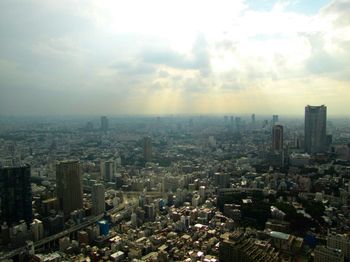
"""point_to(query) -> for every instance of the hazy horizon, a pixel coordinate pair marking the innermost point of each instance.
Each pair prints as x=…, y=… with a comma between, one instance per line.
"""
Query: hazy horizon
x=154, y=58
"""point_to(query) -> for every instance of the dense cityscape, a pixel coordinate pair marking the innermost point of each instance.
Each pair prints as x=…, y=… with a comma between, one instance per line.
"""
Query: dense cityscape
x=163, y=131
x=175, y=188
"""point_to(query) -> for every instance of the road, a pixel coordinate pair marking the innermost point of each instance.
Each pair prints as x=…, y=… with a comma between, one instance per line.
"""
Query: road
x=59, y=235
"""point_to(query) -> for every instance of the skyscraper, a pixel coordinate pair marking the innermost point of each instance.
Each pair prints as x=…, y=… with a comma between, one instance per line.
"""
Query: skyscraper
x=107, y=170
x=315, y=129
x=274, y=119
x=253, y=119
x=15, y=195
x=238, y=122
x=277, y=138
x=69, y=186
x=147, y=148
x=104, y=123
x=98, y=199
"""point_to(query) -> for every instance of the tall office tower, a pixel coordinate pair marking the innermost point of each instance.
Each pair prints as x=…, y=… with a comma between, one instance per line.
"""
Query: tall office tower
x=147, y=148
x=274, y=119
x=15, y=195
x=107, y=170
x=104, y=123
x=238, y=122
x=69, y=186
x=315, y=129
x=277, y=138
x=253, y=119
x=98, y=199
x=222, y=180
x=225, y=119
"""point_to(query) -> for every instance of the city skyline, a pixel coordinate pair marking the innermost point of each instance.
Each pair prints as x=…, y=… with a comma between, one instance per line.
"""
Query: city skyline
x=108, y=58
x=175, y=188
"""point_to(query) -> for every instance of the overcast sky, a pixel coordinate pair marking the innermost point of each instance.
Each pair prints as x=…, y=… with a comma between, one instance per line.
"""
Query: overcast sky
x=167, y=57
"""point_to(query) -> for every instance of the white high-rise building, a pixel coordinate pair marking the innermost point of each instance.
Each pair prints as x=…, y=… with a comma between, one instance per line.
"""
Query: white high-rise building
x=98, y=199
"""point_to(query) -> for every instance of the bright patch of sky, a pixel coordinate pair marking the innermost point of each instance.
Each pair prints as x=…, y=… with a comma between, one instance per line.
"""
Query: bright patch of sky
x=165, y=57
x=308, y=7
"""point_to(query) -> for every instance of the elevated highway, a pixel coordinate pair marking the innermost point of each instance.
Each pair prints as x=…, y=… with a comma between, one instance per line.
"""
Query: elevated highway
x=37, y=244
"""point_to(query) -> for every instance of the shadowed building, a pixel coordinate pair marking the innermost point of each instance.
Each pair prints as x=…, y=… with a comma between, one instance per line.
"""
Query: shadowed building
x=107, y=170
x=315, y=129
x=15, y=195
x=104, y=123
x=147, y=148
x=277, y=138
x=69, y=186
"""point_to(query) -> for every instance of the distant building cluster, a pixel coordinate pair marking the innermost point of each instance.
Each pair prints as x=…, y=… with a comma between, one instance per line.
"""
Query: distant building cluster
x=171, y=188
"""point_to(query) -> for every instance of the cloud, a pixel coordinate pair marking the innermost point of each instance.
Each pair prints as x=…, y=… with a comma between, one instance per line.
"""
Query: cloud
x=107, y=56
x=197, y=59
x=338, y=11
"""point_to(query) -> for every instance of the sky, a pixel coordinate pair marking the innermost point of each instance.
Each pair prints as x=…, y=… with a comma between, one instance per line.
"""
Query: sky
x=73, y=57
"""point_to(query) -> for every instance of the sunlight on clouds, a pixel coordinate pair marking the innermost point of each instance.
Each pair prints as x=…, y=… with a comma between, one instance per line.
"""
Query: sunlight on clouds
x=163, y=56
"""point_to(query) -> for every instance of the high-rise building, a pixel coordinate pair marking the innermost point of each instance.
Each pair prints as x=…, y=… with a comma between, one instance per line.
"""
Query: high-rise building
x=323, y=253
x=315, y=129
x=341, y=242
x=147, y=148
x=274, y=119
x=15, y=195
x=253, y=119
x=104, y=123
x=222, y=180
x=107, y=170
x=277, y=138
x=231, y=121
x=69, y=186
x=98, y=199
x=238, y=122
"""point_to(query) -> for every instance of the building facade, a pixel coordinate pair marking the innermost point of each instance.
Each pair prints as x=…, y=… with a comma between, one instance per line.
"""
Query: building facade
x=315, y=129
x=104, y=123
x=69, y=186
x=277, y=138
x=327, y=254
x=341, y=242
x=147, y=148
x=15, y=195
x=107, y=170
x=98, y=199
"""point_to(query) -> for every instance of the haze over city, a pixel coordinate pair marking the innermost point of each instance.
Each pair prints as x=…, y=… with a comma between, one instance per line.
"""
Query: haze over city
x=173, y=57
x=212, y=131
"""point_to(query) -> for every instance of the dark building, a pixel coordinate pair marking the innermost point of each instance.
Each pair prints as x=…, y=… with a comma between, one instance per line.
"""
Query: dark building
x=315, y=129
x=15, y=195
x=54, y=223
x=104, y=123
x=277, y=138
x=69, y=186
x=147, y=148
x=222, y=180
